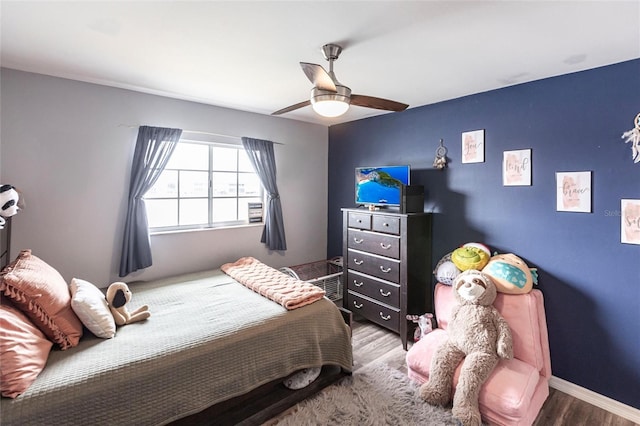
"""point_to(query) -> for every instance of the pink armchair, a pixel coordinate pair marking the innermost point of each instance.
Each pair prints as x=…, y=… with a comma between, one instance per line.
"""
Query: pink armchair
x=516, y=389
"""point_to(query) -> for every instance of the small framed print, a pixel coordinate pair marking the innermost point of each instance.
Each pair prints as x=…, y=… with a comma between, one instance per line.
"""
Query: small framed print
x=630, y=221
x=473, y=147
x=573, y=192
x=516, y=168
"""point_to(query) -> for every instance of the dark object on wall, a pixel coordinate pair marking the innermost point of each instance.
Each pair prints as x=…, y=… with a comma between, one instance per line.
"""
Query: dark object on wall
x=412, y=199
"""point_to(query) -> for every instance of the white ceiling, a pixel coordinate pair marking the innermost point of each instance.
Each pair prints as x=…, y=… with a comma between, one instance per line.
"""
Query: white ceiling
x=245, y=54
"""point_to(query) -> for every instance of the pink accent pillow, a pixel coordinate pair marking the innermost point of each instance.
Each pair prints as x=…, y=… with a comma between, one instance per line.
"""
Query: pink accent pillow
x=42, y=294
x=23, y=350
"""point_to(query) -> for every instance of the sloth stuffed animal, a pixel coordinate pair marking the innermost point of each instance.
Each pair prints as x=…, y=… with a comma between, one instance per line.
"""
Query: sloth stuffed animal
x=118, y=295
x=477, y=336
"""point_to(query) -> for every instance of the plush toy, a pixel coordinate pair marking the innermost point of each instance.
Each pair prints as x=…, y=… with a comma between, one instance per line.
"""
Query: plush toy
x=425, y=325
x=118, y=295
x=479, y=246
x=477, y=336
x=510, y=274
x=8, y=201
x=446, y=271
x=470, y=256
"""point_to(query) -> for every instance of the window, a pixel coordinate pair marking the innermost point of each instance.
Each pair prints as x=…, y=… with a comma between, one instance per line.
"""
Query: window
x=205, y=185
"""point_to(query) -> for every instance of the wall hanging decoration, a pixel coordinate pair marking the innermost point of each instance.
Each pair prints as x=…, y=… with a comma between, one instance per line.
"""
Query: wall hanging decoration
x=516, y=168
x=440, y=162
x=573, y=192
x=630, y=221
x=633, y=136
x=473, y=147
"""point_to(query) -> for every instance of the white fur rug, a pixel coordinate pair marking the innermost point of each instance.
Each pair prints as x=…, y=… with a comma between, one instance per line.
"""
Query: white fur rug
x=376, y=395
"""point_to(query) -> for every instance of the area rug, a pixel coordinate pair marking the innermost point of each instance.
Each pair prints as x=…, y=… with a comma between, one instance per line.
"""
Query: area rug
x=376, y=395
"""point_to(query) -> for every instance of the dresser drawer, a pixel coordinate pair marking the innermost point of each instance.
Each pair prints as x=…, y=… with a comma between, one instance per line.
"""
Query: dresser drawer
x=359, y=220
x=386, y=224
x=386, y=316
x=385, y=292
x=384, y=245
x=381, y=267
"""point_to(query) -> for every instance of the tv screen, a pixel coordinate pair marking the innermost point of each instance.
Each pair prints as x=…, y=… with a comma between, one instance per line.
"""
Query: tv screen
x=380, y=186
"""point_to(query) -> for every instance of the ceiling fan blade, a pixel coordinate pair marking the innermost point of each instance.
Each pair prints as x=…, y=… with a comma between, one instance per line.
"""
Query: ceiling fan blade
x=318, y=76
x=377, y=103
x=292, y=107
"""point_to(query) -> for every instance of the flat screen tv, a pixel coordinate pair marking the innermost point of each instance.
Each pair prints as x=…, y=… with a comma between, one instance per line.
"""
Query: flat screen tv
x=380, y=186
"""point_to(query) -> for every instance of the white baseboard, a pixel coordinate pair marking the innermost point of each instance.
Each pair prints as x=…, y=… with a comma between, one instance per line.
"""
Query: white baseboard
x=593, y=398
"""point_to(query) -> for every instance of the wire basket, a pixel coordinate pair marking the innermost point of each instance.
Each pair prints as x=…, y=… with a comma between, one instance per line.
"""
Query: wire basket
x=326, y=274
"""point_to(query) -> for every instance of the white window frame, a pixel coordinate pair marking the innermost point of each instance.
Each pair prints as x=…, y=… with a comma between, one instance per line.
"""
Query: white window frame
x=210, y=196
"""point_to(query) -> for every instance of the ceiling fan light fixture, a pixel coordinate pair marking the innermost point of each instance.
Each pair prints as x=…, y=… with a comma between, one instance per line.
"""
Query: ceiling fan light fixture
x=328, y=97
x=330, y=104
x=330, y=108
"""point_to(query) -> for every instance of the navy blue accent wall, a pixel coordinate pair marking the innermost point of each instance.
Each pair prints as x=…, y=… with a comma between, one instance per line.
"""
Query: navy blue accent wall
x=590, y=280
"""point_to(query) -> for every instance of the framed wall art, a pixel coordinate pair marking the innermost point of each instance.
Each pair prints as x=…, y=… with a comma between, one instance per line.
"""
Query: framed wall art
x=573, y=192
x=630, y=221
x=473, y=147
x=516, y=168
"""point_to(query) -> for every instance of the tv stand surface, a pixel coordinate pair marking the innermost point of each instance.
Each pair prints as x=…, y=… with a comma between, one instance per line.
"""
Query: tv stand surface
x=379, y=207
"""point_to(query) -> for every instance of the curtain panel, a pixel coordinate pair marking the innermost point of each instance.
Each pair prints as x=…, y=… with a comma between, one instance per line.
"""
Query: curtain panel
x=262, y=158
x=153, y=150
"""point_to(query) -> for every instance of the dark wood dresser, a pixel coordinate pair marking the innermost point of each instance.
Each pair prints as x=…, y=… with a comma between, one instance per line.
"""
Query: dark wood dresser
x=387, y=266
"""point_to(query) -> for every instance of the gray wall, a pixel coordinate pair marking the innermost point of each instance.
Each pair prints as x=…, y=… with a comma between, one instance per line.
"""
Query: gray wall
x=66, y=146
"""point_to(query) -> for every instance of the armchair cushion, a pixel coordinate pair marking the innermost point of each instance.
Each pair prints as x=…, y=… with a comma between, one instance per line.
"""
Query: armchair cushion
x=525, y=315
x=516, y=389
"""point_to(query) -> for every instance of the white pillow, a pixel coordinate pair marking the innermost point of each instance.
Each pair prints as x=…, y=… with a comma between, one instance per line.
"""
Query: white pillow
x=302, y=378
x=90, y=305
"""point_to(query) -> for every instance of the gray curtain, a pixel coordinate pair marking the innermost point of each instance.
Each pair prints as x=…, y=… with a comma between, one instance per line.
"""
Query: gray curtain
x=262, y=158
x=153, y=150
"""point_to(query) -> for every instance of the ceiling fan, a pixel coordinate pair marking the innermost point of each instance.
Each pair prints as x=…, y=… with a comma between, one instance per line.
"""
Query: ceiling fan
x=329, y=98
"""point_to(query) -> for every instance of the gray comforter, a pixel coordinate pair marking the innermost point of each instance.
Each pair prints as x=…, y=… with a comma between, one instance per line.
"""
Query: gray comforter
x=209, y=339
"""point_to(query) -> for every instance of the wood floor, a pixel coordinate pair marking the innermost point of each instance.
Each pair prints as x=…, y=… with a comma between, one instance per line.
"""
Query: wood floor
x=373, y=343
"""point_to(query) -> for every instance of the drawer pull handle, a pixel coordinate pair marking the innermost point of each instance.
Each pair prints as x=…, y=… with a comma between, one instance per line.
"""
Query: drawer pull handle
x=355, y=304
x=386, y=225
x=358, y=241
x=358, y=284
x=359, y=220
x=385, y=270
x=387, y=318
x=387, y=294
x=358, y=262
x=385, y=246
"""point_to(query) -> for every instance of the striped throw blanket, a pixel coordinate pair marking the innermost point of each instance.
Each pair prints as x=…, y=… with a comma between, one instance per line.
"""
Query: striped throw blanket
x=272, y=284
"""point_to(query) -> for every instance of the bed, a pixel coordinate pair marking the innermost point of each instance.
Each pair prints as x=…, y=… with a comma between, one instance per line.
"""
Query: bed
x=210, y=341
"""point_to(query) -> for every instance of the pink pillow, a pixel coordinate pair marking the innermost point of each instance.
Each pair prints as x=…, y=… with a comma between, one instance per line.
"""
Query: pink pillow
x=23, y=350
x=42, y=294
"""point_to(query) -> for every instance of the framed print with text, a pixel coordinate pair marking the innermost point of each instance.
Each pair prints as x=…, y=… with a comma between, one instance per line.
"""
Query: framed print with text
x=473, y=147
x=630, y=221
x=573, y=192
x=516, y=168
